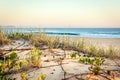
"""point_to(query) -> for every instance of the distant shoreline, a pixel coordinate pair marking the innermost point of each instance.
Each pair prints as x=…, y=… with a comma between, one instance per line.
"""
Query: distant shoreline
x=72, y=32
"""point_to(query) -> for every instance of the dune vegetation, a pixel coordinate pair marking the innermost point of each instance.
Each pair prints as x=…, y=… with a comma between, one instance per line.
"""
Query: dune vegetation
x=11, y=63
x=67, y=43
x=3, y=38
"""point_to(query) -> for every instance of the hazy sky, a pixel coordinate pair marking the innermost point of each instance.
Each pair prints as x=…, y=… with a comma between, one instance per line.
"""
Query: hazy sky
x=60, y=13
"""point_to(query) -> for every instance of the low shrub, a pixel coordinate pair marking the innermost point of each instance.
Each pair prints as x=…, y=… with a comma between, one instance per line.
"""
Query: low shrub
x=95, y=64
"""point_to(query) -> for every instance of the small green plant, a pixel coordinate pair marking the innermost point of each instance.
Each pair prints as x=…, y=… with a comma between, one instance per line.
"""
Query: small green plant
x=86, y=60
x=24, y=65
x=19, y=35
x=13, y=56
x=3, y=71
x=7, y=65
x=19, y=64
x=95, y=64
x=74, y=55
x=12, y=61
x=95, y=69
x=35, y=58
x=11, y=64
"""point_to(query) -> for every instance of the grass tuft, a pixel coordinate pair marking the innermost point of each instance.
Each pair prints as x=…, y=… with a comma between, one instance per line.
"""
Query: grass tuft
x=3, y=38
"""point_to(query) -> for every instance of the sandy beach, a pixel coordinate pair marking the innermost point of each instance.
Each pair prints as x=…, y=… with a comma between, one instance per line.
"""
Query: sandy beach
x=104, y=42
x=51, y=67
x=99, y=42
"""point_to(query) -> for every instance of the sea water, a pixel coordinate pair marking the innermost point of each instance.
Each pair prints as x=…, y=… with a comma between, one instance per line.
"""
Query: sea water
x=74, y=32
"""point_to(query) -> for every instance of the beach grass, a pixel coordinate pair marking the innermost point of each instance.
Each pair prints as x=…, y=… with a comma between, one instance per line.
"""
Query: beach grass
x=39, y=39
x=112, y=52
x=4, y=38
x=81, y=45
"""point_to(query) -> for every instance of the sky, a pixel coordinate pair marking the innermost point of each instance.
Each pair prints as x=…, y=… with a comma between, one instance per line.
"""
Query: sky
x=60, y=13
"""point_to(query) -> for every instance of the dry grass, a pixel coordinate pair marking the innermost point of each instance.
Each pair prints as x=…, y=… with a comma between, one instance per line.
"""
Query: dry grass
x=93, y=50
x=39, y=39
x=53, y=42
x=112, y=52
x=68, y=43
x=3, y=38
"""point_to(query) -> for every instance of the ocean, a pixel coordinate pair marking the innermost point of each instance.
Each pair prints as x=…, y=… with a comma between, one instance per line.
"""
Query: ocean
x=74, y=32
